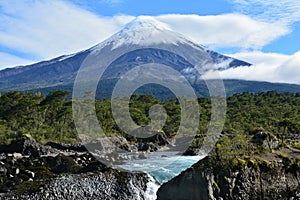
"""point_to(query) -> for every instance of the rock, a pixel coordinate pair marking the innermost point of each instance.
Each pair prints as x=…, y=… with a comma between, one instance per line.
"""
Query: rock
x=3, y=189
x=30, y=173
x=191, y=152
x=64, y=176
x=3, y=155
x=93, y=166
x=142, y=156
x=78, y=147
x=209, y=179
x=25, y=147
x=17, y=155
x=159, y=139
x=61, y=164
x=3, y=171
x=149, y=147
x=93, y=181
x=143, y=147
x=122, y=143
x=261, y=136
x=112, y=184
x=266, y=140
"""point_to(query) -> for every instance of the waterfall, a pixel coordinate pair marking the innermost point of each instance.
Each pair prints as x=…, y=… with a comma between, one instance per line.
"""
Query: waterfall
x=160, y=167
x=152, y=187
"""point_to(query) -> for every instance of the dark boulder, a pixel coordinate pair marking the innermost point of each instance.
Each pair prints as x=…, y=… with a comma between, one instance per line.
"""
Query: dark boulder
x=149, y=147
x=61, y=164
x=67, y=147
x=159, y=139
x=26, y=147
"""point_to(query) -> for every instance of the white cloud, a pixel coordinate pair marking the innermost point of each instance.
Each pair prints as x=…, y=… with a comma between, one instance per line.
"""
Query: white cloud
x=266, y=67
x=258, y=57
x=8, y=60
x=287, y=11
x=289, y=71
x=47, y=29
x=53, y=28
x=230, y=30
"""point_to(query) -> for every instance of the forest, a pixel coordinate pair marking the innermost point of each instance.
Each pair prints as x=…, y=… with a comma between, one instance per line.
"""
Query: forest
x=49, y=117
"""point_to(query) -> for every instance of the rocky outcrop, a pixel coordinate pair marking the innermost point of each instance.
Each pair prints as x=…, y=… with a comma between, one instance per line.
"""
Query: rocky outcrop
x=26, y=147
x=209, y=179
x=34, y=171
x=112, y=184
x=266, y=140
x=67, y=147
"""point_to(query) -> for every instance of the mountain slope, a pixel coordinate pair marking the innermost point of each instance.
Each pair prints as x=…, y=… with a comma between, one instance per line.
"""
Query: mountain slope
x=57, y=71
x=150, y=38
x=231, y=86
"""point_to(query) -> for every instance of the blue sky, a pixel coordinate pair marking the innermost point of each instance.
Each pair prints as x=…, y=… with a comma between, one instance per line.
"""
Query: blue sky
x=156, y=7
x=263, y=32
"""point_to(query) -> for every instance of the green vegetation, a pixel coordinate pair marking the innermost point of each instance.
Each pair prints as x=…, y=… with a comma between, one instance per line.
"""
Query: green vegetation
x=260, y=130
x=49, y=118
x=273, y=112
x=45, y=118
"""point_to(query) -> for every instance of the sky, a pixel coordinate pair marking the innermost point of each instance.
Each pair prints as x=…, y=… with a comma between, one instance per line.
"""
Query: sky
x=262, y=32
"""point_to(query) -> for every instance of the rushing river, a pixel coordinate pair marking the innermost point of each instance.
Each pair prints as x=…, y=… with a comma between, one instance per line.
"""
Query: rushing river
x=161, y=167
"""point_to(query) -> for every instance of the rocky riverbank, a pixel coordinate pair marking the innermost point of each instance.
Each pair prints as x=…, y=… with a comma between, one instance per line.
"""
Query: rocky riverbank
x=247, y=180
x=29, y=170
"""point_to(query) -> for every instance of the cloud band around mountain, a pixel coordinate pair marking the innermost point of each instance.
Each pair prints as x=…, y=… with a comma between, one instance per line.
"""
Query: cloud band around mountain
x=46, y=29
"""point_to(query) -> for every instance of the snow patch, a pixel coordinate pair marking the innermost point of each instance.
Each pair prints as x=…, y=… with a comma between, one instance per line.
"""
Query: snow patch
x=145, y=31
x=66, y=57
x=145, y=22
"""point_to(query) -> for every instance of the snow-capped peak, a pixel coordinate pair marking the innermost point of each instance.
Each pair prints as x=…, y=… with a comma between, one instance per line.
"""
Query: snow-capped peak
x=144, y=31
x=145, y=22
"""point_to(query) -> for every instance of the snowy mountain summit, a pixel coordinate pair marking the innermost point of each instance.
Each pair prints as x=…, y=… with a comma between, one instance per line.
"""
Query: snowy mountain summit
x=145, y=22
x=143, y=40
x=144, y=31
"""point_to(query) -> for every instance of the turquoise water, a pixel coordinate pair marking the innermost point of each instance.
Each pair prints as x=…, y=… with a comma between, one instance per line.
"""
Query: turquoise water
x=162, y=166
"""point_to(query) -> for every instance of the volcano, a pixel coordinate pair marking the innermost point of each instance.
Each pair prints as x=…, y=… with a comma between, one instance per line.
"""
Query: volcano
x=153, y=41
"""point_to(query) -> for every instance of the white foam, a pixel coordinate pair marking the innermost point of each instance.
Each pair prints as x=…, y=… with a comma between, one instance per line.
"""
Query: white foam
x=152, y=187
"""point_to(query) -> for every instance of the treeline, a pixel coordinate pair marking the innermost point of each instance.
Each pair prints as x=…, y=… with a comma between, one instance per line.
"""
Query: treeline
x=49, y=117
x=277, y=113
x=45, y=118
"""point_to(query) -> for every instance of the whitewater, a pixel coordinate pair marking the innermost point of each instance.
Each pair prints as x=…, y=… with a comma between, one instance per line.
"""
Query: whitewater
x=161, y=167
